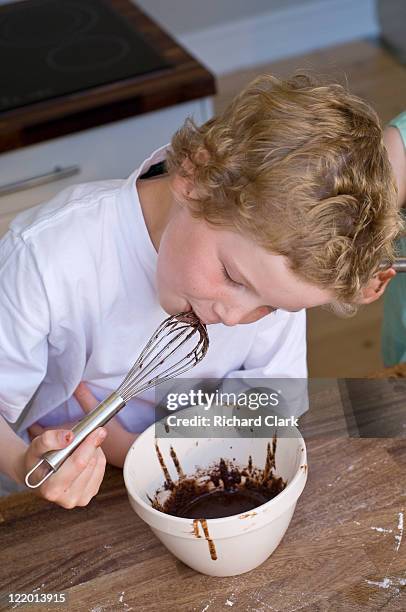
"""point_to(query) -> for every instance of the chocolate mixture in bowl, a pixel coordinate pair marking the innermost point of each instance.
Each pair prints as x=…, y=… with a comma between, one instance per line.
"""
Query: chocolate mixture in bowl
x=222, y=489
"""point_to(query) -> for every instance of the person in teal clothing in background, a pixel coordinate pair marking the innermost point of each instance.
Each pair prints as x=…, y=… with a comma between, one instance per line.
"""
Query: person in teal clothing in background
x=394, y=323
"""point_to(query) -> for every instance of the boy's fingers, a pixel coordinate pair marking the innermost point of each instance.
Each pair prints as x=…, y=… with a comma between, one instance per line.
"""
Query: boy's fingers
x=87, y=484
x=35, y=430
x=78, y=487
x=85, y=398
x=51, y=439
x=77, y=462
x=65, y=492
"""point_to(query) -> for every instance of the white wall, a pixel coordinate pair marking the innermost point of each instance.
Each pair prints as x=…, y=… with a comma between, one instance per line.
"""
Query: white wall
x=185, y=16
x=229, y=35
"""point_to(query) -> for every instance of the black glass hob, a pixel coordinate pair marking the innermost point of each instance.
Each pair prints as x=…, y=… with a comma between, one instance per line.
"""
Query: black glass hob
x=50, y=48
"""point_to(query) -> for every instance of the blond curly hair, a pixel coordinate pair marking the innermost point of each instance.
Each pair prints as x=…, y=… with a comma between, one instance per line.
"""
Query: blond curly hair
x=300, y=167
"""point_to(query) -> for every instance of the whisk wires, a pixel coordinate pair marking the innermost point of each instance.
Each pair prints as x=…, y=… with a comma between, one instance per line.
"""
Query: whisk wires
x=159, y=361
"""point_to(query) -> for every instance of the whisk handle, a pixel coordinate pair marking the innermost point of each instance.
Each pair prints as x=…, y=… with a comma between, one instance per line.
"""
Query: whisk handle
x=97, y=418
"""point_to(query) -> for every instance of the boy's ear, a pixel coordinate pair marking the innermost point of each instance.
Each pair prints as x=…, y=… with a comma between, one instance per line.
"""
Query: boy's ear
x=376, y=287
x=183, y=186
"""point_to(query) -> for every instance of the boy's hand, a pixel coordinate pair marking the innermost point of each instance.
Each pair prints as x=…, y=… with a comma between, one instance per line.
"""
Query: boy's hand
x=118, y=440
x=79, y=477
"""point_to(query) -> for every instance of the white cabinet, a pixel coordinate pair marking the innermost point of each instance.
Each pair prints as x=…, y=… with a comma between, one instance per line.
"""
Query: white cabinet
x=110, y=151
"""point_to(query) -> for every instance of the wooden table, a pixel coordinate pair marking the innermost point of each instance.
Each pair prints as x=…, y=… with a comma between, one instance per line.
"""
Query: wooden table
x=344, y=550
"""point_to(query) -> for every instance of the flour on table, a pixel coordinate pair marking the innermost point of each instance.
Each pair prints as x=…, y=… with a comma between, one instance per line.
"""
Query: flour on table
x=382, y=530
x=398, y=538
x=388, y=583
x=384, y=584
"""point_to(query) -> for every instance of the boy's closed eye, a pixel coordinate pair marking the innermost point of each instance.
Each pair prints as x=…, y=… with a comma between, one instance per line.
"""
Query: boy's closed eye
x=228, y=278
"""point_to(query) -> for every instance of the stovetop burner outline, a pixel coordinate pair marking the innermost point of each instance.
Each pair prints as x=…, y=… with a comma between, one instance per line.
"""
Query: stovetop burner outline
x=83, y=18
x=56, y=60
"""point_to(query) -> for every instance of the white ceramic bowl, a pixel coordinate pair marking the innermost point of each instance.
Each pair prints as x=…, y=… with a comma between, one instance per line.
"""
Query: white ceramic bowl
x=241, y=542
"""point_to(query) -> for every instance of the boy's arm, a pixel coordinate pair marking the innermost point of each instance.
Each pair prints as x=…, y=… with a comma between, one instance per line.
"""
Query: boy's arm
x=12, y=454
x=24, y=325
x=78, y=479
x=397, y=156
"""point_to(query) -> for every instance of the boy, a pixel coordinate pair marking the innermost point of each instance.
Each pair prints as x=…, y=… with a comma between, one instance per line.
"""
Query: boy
x=284, y=202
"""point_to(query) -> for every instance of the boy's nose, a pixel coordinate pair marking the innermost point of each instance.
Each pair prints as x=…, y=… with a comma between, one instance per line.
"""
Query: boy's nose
x=228, y=316
x=235, y=316
x=256, y=314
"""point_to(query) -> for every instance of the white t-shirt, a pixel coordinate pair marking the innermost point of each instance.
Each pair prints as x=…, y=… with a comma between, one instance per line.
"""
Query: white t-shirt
x=78, y=301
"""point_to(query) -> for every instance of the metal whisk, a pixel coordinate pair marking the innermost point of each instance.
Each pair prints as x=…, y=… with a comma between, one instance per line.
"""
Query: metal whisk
x=160, y=360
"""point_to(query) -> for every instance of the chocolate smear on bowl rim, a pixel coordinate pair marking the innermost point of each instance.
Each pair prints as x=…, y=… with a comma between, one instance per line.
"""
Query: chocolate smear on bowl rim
x=220, y=490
